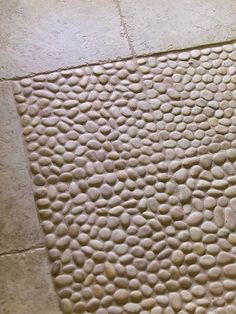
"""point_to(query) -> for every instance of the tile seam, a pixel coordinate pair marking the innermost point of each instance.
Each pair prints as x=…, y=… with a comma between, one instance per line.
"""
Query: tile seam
x=123, y=24
x=32, y=248
x=125, y=58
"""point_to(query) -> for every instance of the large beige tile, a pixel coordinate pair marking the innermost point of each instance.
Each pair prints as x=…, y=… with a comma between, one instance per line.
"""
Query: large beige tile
x=26, y=286
x=19, y=226
x=161, y=25
x=39, y=35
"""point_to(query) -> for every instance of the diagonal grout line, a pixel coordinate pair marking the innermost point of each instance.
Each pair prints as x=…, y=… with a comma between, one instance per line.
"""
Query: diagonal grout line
x=65, y=68
x=34, y=247
x=117, y=4
x=178, y=50
x=101, y=62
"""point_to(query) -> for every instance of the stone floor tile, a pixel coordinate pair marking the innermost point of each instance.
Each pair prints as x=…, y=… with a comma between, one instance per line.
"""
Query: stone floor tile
x=19, y=227
x=159, y=25
x=40, y=35
x=26, y=286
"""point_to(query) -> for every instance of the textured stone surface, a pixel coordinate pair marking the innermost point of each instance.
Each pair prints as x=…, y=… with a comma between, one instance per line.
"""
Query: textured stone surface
x=158, y=25
x=26, y=286
x=40, y=35
x=134, y=172
x=19, y=227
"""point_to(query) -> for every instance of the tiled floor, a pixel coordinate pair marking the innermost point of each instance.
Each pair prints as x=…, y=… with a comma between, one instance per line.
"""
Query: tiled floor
x=130, y=159
x=133, y=166
x=38, y=36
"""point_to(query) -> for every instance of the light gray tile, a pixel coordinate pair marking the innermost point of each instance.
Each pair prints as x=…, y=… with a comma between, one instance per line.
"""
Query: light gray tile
x=161, y=25
x=40, y=35
x=19, y=226
x=26, y=286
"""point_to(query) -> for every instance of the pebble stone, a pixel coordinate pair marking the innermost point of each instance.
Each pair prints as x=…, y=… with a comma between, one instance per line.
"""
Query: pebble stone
x=134, y=175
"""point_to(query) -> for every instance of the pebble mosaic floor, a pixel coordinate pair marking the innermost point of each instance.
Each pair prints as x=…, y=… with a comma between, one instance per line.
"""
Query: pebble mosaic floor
x=134, y=172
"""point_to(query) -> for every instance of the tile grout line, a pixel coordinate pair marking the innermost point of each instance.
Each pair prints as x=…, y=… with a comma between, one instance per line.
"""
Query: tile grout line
x=65, y=68
x=117, y=4
x=101, y=62
x=12, y=252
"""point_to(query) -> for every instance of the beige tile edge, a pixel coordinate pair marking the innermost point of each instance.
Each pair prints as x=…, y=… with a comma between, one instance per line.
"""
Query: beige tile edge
x=156, y=52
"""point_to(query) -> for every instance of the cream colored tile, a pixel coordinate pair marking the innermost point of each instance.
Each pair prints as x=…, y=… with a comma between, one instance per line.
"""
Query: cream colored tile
x=39, y=35
x=161, y=25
